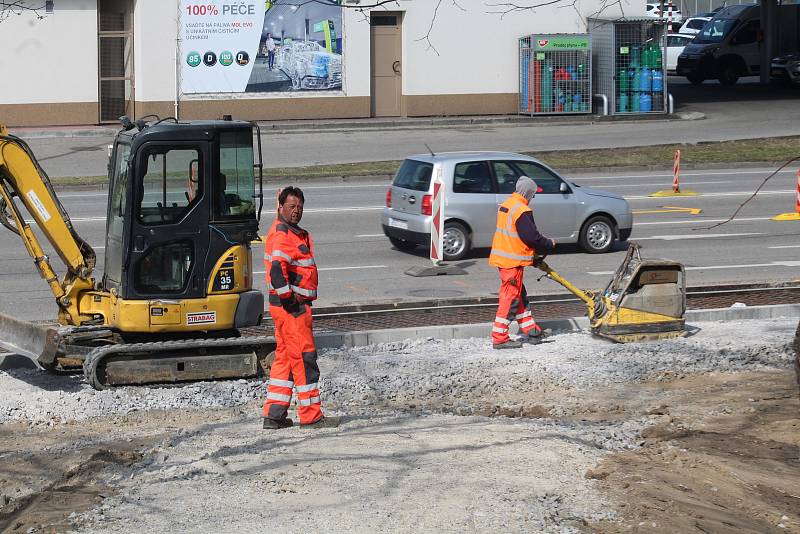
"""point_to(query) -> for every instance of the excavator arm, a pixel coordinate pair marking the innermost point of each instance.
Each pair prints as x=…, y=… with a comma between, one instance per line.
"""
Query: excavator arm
x=22, y=178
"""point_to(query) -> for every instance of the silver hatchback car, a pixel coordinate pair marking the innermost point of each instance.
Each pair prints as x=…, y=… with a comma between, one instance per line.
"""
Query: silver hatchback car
x=476, y=183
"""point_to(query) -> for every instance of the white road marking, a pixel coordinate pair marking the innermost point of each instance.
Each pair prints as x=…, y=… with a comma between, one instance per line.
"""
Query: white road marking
x=709, y=195
x=701, y=221
x=608, y=186
x=371, y=235
x=683, y=174
x=715, y=267
x=691, y=236
x=352, y=208
x=341, y=268
x=786, y=246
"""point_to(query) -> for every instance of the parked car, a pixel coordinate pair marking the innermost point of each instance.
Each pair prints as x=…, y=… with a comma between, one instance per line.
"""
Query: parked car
x=309, y=66
x=693, y=25
x=675, y=44
x=477, y=183
x=654, y=11
x=786, y=68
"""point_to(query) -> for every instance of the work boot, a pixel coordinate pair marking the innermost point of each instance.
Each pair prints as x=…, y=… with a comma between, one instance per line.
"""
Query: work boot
x=510, y=344
x=323, y=422
x=535, y=336
x=277, y=424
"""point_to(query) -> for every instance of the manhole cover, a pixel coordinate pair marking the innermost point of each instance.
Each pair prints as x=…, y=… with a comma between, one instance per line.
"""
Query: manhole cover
x=436, y=293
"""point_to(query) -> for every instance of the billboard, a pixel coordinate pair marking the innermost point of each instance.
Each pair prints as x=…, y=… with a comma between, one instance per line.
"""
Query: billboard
x=260, y=47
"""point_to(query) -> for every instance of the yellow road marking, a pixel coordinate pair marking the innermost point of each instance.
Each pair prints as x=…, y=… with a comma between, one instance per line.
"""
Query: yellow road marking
x=671, y=209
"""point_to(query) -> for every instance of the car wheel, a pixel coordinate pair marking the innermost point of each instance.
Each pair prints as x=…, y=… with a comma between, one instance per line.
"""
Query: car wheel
x=597, y=235
x=694, y=79
x=729, y=75
x=402, y=244
x=455, y=241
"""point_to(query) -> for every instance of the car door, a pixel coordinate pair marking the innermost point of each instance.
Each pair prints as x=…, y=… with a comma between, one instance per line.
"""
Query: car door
x=745, y=43
x=473, y=200
x=554, y=211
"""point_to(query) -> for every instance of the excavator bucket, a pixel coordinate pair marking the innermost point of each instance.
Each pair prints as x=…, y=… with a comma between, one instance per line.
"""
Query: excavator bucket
x=27, y=339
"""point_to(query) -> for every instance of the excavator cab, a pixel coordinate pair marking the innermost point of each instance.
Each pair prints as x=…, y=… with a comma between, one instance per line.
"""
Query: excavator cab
x=184, y=204
x=182, y=197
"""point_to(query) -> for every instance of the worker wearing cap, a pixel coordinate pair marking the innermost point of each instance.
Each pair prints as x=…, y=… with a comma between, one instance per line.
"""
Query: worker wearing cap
x=291, y=274
x=515, y=242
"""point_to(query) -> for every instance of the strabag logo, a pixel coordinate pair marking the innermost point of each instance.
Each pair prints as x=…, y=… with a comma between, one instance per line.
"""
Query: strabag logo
x=201, y=318
x=542, y=42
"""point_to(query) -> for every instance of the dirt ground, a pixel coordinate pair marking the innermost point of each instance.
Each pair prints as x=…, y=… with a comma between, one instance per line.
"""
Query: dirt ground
x=678, y=452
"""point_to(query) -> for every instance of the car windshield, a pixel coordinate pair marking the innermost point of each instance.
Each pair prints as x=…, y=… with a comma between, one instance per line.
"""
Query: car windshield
x=715, y=31
x=414, y=175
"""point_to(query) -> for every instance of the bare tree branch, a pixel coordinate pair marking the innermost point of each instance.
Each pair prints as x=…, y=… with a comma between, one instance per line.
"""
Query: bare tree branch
x=18, y=7
x=427, y=36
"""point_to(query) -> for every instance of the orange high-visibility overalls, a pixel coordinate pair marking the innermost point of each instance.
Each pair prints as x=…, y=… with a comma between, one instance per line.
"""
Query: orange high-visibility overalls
x=511, y=255
x=292, y=282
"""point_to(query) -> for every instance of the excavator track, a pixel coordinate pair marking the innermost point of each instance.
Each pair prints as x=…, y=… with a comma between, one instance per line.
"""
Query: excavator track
x=176, y=361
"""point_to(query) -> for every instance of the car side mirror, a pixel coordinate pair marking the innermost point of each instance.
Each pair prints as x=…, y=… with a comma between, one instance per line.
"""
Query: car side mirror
x=564, y=188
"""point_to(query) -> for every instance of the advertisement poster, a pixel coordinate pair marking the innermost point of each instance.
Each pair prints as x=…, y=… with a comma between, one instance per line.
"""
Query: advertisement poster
x=261, y=47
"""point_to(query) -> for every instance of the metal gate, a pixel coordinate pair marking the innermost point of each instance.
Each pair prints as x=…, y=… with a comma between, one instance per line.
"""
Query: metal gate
x=629, y=66
x=115, y=57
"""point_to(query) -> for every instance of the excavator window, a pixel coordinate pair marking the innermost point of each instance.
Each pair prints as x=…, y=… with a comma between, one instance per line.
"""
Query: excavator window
x=235, y=184
x=169, y=188
x=119, y=190
x=164, y=269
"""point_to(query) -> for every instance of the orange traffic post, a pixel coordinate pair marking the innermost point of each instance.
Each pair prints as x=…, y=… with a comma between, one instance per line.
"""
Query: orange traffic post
x=796, y=215
x=676, y=181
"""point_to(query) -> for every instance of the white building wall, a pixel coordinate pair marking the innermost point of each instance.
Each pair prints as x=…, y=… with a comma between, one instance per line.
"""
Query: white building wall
x=474, y=50
x=50, y=60
x=155, y=46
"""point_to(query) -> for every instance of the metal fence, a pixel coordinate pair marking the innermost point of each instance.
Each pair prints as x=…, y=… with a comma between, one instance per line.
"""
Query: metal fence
x=555, y=74
x=629, y=67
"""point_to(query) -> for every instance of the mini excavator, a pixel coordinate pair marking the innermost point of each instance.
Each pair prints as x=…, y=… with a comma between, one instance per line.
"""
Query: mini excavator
x=644, y=301
x=184, y=202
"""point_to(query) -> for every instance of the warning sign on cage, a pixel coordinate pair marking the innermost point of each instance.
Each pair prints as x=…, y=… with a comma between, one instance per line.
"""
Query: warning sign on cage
x=562, y=42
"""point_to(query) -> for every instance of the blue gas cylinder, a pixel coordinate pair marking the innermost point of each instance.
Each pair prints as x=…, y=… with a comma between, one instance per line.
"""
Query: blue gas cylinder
x=634, y=102
x=645, y=102
x=646, y=80
x=576, y=102
x=622, y=103
x=658, y=81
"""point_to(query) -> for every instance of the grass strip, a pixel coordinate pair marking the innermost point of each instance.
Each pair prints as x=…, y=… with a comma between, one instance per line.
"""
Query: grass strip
x=751, y=150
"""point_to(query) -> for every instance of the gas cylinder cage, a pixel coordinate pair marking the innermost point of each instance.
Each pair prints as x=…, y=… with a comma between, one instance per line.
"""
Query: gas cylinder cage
x=555, y=74
x=630, y=64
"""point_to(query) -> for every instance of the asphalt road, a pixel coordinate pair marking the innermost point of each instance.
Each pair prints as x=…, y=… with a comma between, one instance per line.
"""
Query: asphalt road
x=745, y=111
x=357, y=264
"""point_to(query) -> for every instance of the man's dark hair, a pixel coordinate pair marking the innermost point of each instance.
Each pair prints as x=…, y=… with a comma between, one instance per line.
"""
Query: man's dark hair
x=293, y=191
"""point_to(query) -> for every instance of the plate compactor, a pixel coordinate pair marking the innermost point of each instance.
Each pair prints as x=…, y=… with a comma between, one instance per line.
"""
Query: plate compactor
x=645, y=301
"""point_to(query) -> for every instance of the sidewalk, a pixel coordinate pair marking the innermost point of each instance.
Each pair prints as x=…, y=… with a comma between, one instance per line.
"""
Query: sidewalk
x=384, y=123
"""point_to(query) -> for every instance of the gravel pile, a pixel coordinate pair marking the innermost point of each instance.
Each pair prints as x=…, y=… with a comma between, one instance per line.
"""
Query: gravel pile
x=462, y=377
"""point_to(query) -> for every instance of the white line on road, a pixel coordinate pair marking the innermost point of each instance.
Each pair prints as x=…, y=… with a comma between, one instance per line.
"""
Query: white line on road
x=370, y=235
x=786, y=246
x=710, y=267
x=608, y=186
x=683, y=174
x=701, y=221
x=691, y=236
x=708, y=195
x=341, y=268
x=352, y=208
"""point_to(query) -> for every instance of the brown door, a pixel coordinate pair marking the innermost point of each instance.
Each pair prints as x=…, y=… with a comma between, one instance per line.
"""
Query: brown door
x=386, y=48
x=115, y=51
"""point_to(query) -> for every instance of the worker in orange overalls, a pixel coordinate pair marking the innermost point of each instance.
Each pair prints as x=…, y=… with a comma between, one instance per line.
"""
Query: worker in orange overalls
x=292, y=283
x=515, y=242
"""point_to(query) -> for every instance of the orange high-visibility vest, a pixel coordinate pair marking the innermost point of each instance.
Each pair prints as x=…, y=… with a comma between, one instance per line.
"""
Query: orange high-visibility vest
x=508, y=250
x=289, y=262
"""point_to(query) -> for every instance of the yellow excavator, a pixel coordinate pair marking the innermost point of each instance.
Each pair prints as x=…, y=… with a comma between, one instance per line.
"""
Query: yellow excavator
x=184, y=203
x=644, y=301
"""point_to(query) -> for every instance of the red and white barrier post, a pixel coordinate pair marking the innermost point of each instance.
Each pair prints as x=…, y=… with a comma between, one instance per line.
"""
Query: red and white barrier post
x=676, y=173
x=669, y=17
x=437, y=222
x=797, y=195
